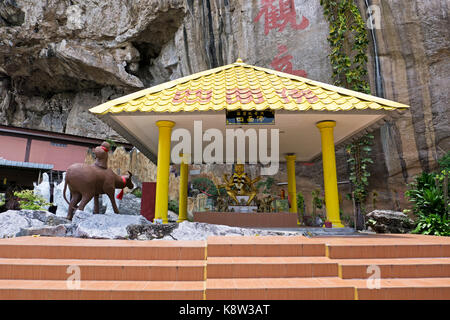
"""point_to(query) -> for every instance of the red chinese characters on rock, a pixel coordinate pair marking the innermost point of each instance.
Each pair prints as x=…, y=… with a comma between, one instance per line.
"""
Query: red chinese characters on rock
x=282, y=62
x=192, y=96
x=244, y=95
x=279, y=17
x=297, y=95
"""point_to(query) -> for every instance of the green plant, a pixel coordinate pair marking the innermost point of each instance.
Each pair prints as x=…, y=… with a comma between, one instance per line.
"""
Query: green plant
x=111, y=143
x=206, y=186
x=426, y=194
x=429, y=195
x=317, y=202
x=432, y=224
x=28, y=200
x=137, y=192
x=173, y=206
x=444, y=162
x=267, y=184
x=300, y=203
x=358, y=162
x=348, y=41
x=347, y=220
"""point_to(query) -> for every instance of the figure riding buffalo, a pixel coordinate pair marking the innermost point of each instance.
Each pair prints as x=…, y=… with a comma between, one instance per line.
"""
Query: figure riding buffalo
x=89, y=181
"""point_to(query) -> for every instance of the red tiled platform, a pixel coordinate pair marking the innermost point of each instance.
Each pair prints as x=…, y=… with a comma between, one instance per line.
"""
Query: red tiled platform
x=411, y=267
x=254, y=219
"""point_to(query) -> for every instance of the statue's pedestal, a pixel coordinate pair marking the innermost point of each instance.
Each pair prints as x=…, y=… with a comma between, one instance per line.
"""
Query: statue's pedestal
x=243, y=209
x=242, y=200
x=255, y=219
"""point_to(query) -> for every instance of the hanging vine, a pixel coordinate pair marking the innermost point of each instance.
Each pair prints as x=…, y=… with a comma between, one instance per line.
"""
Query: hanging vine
x=359, y=161
x=348, y=41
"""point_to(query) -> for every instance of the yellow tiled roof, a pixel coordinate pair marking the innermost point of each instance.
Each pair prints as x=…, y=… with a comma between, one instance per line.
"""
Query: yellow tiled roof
x=246, y=87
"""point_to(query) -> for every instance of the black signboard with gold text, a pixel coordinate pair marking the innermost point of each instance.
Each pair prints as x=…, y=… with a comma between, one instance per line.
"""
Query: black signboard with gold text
x=255, y=117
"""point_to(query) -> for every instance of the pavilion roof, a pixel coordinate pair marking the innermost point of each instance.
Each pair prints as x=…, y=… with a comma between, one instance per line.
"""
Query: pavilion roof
x=246, y=87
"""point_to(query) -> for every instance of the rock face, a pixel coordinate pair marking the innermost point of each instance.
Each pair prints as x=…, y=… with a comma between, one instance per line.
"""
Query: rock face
x=60, y=58
x=70, y=56
x=150, y=231
x=413, y=48
x=100, y=226
x=387, y=221
x=28, y=222
x=200, y=231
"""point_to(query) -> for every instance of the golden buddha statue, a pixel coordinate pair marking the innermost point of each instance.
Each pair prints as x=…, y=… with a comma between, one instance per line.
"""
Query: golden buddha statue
x=240, y=184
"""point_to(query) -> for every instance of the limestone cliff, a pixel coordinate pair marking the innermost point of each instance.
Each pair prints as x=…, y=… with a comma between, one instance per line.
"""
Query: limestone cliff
x=58, y=58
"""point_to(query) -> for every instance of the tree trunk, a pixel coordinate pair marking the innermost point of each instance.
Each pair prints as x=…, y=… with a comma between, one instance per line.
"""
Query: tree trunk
x=359, y=218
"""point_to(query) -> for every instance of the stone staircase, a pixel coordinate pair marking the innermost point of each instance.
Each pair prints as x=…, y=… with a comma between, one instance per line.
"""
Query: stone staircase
x=226, y=268
x=410, y=267
x=38, y=268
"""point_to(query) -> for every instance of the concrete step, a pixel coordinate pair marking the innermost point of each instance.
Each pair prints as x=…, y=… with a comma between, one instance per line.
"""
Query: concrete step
x=270, y=267
x=329, y=288
x=383, y=250
x=101, y=290
x=395, y=268
x=76, y=248
x=267, y=246
x=404, y=289
x=131, y=270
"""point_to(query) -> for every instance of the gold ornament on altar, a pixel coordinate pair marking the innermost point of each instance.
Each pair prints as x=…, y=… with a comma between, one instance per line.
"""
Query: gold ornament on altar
x=240, y=184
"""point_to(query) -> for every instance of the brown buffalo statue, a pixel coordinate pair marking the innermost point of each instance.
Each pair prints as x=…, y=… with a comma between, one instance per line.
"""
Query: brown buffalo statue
x=89, y=181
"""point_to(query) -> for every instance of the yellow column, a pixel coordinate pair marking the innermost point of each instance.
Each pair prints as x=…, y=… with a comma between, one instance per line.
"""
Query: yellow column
x=182, y=206
x=329, y=172
x=163, y=169
x=292, y=183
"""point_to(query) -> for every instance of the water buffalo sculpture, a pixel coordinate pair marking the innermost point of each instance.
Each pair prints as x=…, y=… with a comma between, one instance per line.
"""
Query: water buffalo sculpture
x=89, y=181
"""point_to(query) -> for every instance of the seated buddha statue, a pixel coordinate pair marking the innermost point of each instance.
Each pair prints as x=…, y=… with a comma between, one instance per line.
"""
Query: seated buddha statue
x=240, y=184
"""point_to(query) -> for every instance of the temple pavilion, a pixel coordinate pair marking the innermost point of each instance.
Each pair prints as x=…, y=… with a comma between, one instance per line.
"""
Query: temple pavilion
x=312, y=117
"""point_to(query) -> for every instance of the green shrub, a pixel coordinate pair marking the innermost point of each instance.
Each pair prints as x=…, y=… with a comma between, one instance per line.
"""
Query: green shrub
x=28, y=200
x=433, y=224
x=137, y=192
x=173, y=206
x=444, y=162
x=317, y=202
x=300, y=203
x=266, y=185
x=347, y=220
x=427, y=193
x=205, y=185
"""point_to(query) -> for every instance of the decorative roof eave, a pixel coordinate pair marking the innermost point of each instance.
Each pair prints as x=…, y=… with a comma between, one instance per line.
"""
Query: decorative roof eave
x=326, y=102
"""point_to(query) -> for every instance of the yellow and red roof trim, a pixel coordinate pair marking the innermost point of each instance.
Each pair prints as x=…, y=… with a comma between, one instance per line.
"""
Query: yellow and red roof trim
x=242, y=86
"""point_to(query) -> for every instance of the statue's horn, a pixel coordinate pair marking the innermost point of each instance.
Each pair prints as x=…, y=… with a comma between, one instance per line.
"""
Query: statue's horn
x=130, y=174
